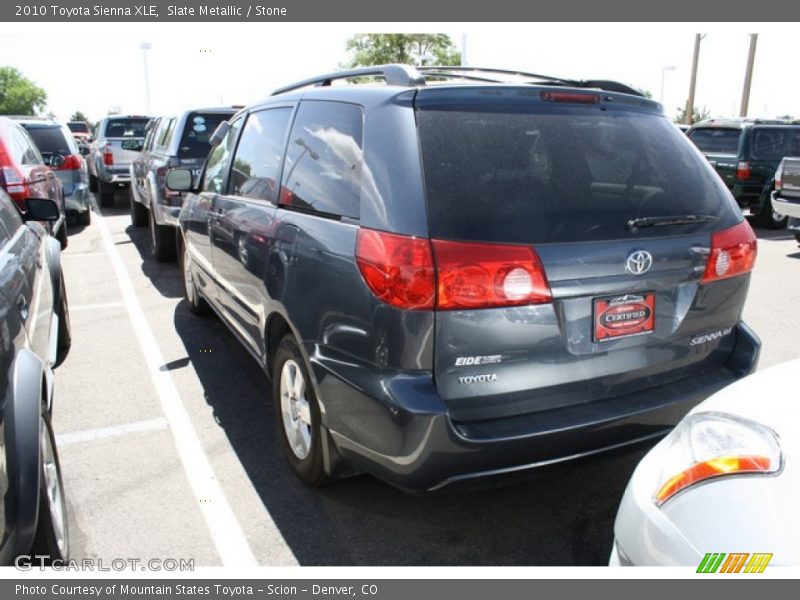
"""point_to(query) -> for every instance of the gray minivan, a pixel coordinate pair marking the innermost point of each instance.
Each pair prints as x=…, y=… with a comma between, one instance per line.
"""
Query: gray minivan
x=449, y=276
x=171, y=141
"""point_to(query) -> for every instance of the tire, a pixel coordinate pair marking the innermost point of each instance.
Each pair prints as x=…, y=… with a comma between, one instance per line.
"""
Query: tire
x=769, y=219
x=106, y=193
x=162, y=240
x=84, y=218
x=297, y=416
x=93, y=184
x=62, y=236
x=64, y=325
x=52, y=527
x=797, y=237
x=197, y=305
x=138, y=211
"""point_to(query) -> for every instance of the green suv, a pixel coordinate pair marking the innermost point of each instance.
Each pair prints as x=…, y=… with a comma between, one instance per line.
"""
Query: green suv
x=746, y=153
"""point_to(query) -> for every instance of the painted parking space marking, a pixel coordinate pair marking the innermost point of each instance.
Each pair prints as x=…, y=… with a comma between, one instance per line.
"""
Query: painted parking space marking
x=225, y=531
x=96, y=306
x=89, y=435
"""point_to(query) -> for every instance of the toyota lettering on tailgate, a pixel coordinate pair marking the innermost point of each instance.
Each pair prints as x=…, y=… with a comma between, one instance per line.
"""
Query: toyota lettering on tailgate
x=632, y=314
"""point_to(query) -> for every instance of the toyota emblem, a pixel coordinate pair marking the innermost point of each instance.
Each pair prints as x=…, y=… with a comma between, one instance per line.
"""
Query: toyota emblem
x=639, y=262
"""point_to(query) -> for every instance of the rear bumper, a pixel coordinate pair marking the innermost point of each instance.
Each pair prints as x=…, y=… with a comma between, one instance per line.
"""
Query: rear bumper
x=78, y=200
x=788, y=207
x=401, y=432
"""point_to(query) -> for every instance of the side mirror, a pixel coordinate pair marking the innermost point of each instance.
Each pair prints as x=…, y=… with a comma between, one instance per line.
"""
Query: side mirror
x=40, y=209
x=56, y=161
x=133, y=145
x=219, y=133
x=180, y=180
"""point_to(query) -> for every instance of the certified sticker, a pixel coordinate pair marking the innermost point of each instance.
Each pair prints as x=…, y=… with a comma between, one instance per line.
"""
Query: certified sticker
x=621, y=316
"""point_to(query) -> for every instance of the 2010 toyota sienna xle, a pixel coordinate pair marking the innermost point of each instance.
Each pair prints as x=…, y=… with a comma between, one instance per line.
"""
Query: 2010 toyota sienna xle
x=460, y=277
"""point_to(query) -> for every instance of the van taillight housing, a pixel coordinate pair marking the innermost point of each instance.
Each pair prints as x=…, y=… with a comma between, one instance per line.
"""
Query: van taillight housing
x=743, y=170
x=420, y=274
x=779, y=177
x=733, y=252
x=108, y=156
x=72, y=162
x=15, y=184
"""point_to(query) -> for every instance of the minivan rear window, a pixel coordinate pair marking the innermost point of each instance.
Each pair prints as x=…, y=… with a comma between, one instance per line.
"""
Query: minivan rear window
x=197, y=131
x=566, y=174
x=126, y=127
x=78, y=127
x=716, y=140
x=51, y=141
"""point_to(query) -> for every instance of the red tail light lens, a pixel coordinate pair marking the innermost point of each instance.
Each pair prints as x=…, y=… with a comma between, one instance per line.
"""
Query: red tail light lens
x=743, y=170
x=779, y=177
x=72, y=162
x=474, y=275
x=575, y=97
x=397, y=268
x=108, y=156
x=733, y=252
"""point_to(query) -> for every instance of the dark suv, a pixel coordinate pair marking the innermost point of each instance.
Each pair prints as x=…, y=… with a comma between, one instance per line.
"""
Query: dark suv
x=746, y=153
x=467, y=277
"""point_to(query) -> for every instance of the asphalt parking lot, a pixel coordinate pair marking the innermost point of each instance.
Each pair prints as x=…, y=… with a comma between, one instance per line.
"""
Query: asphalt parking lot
x=168, y=448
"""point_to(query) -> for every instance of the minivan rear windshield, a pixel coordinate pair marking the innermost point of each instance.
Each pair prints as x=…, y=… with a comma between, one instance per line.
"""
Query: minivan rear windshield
x=50, y=140
x=716, y=140
x=196, y=131
x=126, y=128
x=78, y=127
x=539, y=174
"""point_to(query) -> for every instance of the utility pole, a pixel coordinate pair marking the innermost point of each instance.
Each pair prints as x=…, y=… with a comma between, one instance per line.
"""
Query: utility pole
x=689, y=113
x=748, y=75
x=145, y=46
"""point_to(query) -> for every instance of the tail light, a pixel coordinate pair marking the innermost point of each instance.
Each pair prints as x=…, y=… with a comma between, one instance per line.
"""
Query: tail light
x=743, y=170
x=108, y=156
x=779, y=177
x=401, y=271
x=15, y=185
x=474, y=275
x=397, y=268
x=733, y=252
x=72, y=162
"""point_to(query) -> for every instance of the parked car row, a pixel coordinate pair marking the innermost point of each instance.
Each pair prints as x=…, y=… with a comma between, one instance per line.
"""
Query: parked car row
x=35, y=336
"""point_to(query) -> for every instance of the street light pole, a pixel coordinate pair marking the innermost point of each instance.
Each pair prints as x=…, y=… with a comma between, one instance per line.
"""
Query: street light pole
x=748, y=75
x=689, y=112
x=663, y=74
x=145, y=46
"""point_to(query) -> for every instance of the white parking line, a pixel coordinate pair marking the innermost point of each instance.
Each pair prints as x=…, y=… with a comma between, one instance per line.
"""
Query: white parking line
x=225, y=531
x=76, y=437
x=82, y=254
x=97, y=306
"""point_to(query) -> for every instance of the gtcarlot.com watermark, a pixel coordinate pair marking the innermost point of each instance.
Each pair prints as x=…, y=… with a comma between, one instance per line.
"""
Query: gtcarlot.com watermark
x=27, y=562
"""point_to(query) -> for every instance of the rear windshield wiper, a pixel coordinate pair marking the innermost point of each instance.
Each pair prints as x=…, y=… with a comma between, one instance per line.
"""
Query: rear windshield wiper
x=644, y=222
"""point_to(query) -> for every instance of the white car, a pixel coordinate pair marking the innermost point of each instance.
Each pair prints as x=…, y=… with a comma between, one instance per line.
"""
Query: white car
x=726, y=481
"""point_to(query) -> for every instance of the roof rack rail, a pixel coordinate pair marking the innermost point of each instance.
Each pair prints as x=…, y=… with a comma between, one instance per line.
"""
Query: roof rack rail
x=392, y=74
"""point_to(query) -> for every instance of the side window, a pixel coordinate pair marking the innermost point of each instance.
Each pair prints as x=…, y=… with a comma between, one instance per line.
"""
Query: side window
x=163, y=131
x=259, y=153
x=793, y=145
x=218, y=160
x=768, y=144
x=324, y=159
x=28, y=154
x=10, y=219
x=168, y=134
x=150, y=136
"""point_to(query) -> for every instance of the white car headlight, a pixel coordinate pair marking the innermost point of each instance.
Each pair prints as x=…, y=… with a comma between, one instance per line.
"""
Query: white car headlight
x=712, y=444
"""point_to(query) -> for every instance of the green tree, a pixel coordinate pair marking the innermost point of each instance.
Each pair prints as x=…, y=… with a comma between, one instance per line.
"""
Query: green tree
x=18, y=94
x=79, y=116
x=697, y=115
x=404, y=48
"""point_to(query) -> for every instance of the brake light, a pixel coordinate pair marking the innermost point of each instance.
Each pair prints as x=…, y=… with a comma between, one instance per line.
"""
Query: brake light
x=72, y=162
x=733, y=252
x=779, y=177
x=575, y=97
x=15, y=185
x=397, y=268
x=477, y=275
x=743, y=170
x=108, y=156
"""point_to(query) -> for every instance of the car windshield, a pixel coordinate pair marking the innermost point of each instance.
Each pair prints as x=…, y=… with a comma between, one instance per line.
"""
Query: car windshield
x=564, y=174
x=51, y=140
x=78, y=127
x=126, y=127
x=197, y=131
x=716, y=140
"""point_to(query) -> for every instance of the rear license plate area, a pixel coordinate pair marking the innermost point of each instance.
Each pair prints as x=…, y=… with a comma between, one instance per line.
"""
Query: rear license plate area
x=616, y=317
